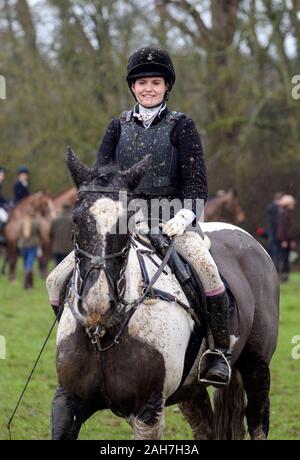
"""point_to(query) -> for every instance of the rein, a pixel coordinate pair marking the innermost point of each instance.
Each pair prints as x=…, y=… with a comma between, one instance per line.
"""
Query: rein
x=97, y=263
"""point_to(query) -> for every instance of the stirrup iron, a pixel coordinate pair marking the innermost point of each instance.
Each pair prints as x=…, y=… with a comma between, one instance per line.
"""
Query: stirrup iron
x=212, y=382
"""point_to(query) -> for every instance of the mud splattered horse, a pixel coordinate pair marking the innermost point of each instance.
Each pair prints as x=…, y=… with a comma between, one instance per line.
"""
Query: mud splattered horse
x=150, y=359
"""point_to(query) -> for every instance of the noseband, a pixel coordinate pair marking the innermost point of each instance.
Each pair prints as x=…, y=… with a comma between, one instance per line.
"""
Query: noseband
x=96, y=263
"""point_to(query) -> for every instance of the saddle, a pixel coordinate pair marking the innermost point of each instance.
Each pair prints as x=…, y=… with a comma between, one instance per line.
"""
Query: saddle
x=189, y=280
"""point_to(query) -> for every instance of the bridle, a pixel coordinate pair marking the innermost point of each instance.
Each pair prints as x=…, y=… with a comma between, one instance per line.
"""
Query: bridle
x=96, y=263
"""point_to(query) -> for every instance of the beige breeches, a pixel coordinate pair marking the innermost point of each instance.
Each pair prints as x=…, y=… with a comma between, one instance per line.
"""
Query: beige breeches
x=194, y=249
x=57, y=277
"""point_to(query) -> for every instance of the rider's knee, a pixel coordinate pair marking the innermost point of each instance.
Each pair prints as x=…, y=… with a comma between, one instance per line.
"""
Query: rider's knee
x=192, y=240
x=51, y=280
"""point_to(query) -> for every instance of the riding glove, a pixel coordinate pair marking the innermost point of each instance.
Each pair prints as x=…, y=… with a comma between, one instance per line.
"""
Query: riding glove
x=179, y=223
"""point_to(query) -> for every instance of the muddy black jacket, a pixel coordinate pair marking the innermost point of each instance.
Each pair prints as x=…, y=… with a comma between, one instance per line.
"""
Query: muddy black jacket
x=185, y=138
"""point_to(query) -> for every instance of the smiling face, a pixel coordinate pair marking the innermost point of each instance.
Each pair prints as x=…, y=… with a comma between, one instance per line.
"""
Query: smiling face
x=149, y=91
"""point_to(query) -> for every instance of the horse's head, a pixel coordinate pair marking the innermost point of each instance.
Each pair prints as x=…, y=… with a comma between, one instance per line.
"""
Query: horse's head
x=43, y=205
x=100, y=217
x=234, y=208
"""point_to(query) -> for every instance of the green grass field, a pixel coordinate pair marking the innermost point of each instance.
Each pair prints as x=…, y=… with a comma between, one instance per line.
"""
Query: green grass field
x=25, y=319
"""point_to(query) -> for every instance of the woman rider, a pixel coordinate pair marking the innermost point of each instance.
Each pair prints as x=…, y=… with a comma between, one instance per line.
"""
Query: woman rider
x=177, y=171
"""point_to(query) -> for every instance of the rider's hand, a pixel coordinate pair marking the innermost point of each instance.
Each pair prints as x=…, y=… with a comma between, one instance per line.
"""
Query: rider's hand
x=179, y=223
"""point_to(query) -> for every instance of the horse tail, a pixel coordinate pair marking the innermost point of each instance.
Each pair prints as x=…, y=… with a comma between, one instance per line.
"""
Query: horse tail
x=229, y=409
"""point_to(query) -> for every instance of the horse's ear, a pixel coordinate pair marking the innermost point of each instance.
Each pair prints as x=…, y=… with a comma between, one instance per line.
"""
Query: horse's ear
x=78, y=170
x=134, y=174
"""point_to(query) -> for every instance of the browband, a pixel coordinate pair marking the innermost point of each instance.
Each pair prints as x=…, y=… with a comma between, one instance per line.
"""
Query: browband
x=97, y=188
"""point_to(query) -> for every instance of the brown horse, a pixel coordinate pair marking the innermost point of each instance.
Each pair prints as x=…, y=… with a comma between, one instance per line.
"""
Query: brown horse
x=67, y=196
x=225, y=208
x=42, y=204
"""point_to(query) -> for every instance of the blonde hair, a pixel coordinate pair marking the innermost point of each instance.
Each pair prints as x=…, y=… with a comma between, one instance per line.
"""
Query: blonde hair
x=287, y=200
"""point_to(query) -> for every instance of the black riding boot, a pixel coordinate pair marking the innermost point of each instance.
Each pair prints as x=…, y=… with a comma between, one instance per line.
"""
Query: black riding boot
x=27, y=280
x=217, y=370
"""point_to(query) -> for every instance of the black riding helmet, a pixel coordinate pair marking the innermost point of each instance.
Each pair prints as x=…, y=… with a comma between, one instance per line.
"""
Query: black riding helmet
x=150, y=62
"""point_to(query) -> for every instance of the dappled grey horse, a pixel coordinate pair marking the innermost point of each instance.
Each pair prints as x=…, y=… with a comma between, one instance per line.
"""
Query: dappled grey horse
x=135, y=355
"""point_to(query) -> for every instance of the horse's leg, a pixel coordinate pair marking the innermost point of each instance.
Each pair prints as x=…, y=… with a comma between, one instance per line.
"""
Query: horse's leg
x=12, y=257
x=149, y=422
x=256, y=378
x=43, y=260
x=4, y=263
x=198, y=413
x=67, y=416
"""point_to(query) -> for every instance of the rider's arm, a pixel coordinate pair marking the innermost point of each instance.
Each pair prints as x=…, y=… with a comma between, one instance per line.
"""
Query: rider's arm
x=191, y=162
x=107, y=149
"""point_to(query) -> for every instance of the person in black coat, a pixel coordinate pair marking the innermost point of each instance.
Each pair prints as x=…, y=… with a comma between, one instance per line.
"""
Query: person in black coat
x=285, y=234
x=272, y=218
x=20, y=188
x=3, y=201
x=61, y=234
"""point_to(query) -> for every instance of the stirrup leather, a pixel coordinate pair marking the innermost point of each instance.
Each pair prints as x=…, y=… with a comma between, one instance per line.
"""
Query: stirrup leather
x=212, y=382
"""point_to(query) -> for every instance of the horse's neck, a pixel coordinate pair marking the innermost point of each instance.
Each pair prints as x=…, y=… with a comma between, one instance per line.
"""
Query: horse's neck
x=31, y=199
x=69, y=194
x=134, y=279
